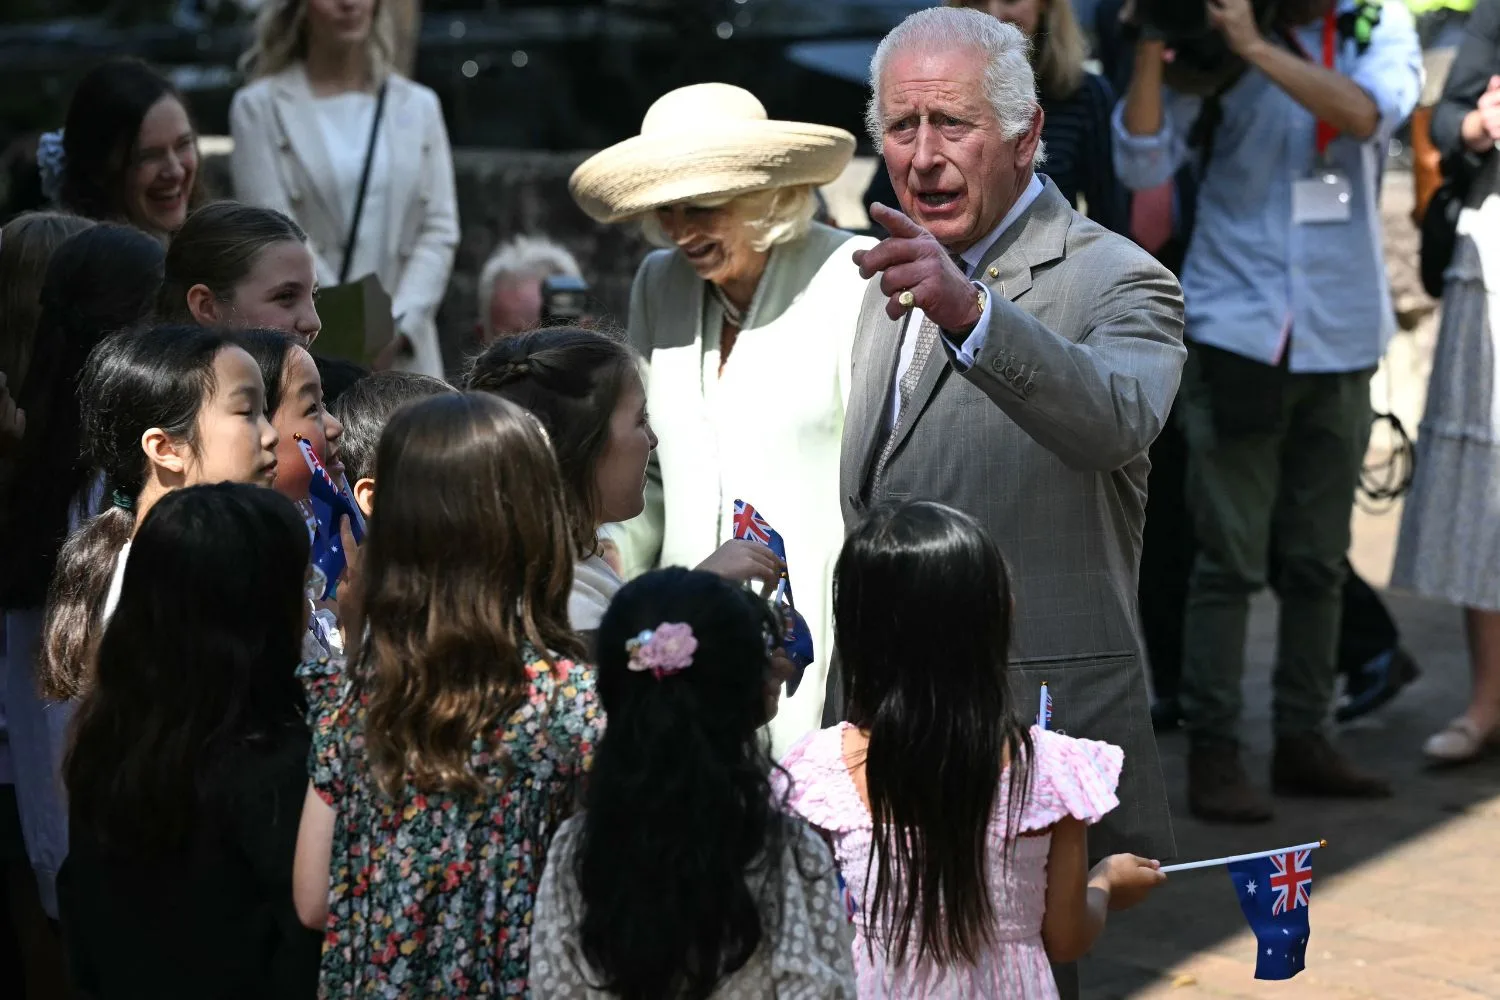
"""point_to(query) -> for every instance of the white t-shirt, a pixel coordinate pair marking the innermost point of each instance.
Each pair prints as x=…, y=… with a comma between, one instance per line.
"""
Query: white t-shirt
x=116, y=584
x=345, y=120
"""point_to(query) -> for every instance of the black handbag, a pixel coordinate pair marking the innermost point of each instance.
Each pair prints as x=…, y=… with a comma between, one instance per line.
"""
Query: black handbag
x=1439, y=231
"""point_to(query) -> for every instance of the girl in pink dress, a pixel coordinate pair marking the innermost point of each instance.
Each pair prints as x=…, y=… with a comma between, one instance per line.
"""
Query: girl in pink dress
x=960, y=832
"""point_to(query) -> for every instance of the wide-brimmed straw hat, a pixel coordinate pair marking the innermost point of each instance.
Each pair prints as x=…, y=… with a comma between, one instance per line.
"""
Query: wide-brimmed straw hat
x=705, y=142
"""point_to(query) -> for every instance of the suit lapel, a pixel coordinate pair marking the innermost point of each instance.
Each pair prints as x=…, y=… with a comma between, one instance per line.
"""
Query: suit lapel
x=1038, y=237
x=299, y=122
x=876, y=354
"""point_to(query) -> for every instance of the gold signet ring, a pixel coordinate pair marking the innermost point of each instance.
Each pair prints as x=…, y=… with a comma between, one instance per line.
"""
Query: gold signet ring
x=906, y=299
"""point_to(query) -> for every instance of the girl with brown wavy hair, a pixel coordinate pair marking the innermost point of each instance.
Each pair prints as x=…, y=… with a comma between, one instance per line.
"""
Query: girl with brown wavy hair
x=459, y=737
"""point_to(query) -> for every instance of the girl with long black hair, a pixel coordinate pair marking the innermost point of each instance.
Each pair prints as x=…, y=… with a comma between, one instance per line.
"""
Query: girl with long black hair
x=960, y=831
x=682, y=879
x=189, y=761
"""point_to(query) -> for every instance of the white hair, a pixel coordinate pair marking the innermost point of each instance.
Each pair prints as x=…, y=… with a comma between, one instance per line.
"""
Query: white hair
x=522, y=257
x=1009, y=82
x=780, y=215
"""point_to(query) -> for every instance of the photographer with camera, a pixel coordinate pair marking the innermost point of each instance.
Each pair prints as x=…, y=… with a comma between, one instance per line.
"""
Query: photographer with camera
x=1288, y=312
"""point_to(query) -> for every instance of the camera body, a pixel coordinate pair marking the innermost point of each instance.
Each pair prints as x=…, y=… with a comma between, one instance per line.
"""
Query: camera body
x=564, y=300
x=1202, y=63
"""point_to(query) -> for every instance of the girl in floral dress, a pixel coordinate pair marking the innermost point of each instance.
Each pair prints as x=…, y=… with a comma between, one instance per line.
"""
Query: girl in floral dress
x=959, y=831
x=458, y=739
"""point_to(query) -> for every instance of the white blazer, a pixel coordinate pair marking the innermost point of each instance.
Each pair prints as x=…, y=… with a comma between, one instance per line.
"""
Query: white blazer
x=767, y=431
x=280, y=161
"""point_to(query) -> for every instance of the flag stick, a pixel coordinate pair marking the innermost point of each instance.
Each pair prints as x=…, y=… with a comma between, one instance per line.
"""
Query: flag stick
x=1211, y=862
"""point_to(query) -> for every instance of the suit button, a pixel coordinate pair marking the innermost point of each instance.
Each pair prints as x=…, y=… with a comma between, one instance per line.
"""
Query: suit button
x=1011, y=373
x=994, y=272
x=285, y=145
x=998, y=365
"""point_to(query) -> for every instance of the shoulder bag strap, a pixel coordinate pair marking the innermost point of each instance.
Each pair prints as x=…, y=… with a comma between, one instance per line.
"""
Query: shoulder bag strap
x=364, y=184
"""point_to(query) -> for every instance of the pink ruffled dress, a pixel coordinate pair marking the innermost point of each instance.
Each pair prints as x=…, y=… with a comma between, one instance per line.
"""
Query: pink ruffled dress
x=1069, y=777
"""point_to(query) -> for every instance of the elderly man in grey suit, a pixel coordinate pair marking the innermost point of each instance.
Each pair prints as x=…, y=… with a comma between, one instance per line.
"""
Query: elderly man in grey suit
x=1015, y=360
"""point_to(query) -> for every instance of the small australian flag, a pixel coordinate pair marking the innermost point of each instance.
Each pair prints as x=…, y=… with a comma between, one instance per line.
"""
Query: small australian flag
x=330, y=502
x=1275, y=894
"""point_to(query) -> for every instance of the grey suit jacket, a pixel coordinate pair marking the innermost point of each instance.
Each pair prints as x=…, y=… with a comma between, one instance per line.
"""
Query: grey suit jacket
x=1044, y=441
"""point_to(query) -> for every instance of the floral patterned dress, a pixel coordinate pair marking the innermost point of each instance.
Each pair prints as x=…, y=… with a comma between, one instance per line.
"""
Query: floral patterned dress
x=432, y=896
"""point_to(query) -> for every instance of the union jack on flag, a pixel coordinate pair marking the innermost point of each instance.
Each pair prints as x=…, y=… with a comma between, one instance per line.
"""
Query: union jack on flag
x=1275, y=894
x=749, y=525
x=1291, y=881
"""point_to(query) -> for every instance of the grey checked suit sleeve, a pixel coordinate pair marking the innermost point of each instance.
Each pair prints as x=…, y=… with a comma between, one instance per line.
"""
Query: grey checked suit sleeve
x=641, y=537
x=1098, y=394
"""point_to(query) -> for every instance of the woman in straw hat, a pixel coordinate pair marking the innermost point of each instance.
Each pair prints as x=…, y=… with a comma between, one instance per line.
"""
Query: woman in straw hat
x=745, y=320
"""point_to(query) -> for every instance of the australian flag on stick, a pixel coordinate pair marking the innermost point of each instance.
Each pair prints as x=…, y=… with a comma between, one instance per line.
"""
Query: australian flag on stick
x=750, y=526
x=330, y=502
x=1275, y=893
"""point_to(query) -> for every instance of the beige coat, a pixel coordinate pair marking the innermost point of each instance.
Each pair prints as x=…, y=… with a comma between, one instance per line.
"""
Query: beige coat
x=766, y=432
x=280, y=160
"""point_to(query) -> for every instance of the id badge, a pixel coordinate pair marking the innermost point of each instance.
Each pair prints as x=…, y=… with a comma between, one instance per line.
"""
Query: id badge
x=1326, y=196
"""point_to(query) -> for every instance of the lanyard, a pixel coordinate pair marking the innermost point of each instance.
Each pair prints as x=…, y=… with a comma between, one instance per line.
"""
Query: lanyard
x=1327, y=132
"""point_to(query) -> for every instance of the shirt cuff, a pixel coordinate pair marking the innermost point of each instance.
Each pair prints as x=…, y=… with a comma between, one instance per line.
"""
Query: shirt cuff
x=965, y=353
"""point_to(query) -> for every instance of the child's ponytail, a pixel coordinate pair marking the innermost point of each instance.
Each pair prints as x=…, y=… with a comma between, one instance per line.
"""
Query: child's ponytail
x=75, y=601
x=132, y=382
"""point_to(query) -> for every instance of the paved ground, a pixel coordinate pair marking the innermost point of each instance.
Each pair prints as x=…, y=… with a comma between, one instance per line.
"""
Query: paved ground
x=1404, y=905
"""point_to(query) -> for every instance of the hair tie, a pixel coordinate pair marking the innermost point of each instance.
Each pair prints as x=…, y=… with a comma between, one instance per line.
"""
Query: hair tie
x=52, y=164
x=663, y=650
x=122, y=500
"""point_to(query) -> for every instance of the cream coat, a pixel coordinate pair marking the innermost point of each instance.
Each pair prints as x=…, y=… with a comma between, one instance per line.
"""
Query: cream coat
x=766, y=432
x=280, y=160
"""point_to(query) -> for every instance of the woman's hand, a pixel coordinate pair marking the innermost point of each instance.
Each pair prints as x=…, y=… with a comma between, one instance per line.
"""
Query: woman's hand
x=1128, y=879
x=742, y=562
x=1481, y=127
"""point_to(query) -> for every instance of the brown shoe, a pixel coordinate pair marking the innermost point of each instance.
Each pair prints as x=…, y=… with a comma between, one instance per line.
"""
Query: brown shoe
x=1309, y=765
x=1219, y=790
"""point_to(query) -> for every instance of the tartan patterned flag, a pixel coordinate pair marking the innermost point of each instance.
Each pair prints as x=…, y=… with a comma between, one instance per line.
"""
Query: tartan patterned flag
x=751, y=526
x=1275, y=894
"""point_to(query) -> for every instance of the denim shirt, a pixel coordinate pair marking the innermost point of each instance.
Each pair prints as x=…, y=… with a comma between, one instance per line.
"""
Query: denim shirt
x=1252, y=275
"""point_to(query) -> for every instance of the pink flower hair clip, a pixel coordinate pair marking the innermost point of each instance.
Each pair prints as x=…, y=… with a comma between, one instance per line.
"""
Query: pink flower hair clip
x=663, y=650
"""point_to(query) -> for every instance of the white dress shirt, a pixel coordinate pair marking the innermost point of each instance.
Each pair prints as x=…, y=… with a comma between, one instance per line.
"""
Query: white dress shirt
x=976, y=339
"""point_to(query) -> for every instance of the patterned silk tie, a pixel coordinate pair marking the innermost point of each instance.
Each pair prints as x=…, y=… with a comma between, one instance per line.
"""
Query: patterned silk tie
x=906, y=386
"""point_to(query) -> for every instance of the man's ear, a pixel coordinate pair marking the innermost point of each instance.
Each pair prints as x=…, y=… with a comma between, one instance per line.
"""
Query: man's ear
x=205, y=306
x=364, y=495
x=1028, y=142
x=163, y=452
